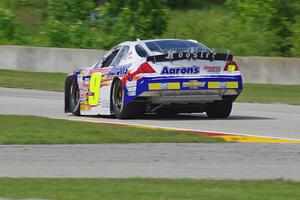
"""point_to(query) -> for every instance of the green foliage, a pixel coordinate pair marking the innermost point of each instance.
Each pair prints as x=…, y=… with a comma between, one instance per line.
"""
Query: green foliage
x=295, y=38
x=69, y=23
x=266, y=25
x=128, y=20
x=7, y=25
x=70, y=10
x=283, y=23
x=249, y=27
x=180, y=4
x=265, y=28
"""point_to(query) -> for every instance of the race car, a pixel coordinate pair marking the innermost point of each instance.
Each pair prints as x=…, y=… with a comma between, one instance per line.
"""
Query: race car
x=163, y=76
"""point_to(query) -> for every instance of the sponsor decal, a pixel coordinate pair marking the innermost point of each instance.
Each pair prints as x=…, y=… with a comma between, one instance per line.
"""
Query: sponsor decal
x=212, y=68
x=192, y=54
x=180, y=70
x=86, y=81
x=193, y=84
x=119, y=70
x=131, y=88
x=85, y=108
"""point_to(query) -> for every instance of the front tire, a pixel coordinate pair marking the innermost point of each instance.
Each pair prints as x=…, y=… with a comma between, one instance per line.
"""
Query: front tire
x=219, y=109
x=74, y=101
x=122, y=111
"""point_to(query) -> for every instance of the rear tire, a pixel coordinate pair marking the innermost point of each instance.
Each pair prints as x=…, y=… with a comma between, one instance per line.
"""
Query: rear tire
x=74, y=102
x=219, y=109
x=129, y=111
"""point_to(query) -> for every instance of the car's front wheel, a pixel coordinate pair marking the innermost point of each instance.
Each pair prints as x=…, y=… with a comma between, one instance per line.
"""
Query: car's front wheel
x=219, y=109
x=74, y=100
x=122, y=111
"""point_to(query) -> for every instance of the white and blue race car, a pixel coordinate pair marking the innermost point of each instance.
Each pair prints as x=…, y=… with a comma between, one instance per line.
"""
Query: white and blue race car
x=167, y=76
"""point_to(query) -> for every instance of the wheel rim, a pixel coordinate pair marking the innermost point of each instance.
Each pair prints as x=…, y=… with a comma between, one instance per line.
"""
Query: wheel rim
x=118, y=97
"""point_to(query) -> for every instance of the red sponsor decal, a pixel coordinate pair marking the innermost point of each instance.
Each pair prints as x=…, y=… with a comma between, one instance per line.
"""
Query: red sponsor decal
x=212, y=68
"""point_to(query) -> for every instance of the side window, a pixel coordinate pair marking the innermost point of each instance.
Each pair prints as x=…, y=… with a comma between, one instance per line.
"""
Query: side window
x=99, y=63
x=110, y=58
x=141, y=51
x=121, y=55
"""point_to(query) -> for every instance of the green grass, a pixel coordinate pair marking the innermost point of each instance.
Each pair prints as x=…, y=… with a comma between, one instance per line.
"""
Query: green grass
x=39, y=130
x=148, y=189
x=32, y=80
x=266, y=93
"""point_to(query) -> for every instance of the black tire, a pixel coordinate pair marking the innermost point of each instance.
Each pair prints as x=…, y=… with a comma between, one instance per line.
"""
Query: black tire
x=74, y=102
x=129, y=111
x=219, y=109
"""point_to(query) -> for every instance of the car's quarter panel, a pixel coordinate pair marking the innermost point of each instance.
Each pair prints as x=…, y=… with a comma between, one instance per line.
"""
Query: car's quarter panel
x=94, y=86
x=95, y=83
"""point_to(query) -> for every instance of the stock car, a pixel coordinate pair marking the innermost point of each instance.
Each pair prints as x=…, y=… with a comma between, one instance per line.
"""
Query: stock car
x=163, y=76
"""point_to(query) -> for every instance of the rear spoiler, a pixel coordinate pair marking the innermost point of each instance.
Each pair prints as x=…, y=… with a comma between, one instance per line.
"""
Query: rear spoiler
x=172, y=56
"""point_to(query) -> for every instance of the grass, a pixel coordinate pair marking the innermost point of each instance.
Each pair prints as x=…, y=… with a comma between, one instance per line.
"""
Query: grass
x=32, y=80
x=266, y=93
x=254, y=93
x=39, y=130
x=146, y=189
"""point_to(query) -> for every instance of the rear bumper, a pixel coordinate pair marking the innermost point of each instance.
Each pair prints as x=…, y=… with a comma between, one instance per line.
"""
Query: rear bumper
x=184, y=90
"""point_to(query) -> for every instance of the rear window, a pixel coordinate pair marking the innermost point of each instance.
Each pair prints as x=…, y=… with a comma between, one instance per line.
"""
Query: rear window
x=164, y=46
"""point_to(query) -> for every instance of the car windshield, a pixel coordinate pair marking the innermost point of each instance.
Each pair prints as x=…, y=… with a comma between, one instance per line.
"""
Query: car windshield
x=165, y=46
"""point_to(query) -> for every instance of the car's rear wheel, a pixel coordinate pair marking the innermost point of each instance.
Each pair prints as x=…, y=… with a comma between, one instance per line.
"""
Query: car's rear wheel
x=74, y=99
x=122, y=111
x=219, y=109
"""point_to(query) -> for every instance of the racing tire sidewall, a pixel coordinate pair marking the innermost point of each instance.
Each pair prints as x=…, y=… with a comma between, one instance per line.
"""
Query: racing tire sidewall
x=128, y=111
x=119, y=111
x=74, y=99
x=219, y=109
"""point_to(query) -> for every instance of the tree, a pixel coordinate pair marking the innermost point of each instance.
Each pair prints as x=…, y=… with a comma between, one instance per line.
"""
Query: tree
x=130, y=19
x=70, y=10
x=249, y=27
x=7, y=25
x=267, y=26
x=180, y=4
x=295, y=38
x=69, y=23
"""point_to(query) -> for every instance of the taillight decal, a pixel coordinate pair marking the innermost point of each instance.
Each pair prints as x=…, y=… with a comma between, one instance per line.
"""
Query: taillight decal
x=231, y=66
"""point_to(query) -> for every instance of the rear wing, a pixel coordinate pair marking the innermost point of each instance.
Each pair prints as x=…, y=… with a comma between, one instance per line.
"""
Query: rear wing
x=172, y=56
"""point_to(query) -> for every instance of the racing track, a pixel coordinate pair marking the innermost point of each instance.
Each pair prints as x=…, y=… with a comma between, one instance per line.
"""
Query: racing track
x=218, y=161
x=269, y=120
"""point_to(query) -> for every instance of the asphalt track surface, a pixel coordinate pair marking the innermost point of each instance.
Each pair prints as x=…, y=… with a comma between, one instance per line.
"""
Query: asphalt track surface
x=270, y=120
x=218, y=161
